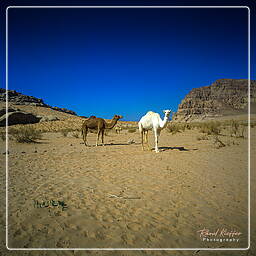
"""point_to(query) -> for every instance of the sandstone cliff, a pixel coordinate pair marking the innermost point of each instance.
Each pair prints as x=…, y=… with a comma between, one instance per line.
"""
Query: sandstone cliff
x=223, y=97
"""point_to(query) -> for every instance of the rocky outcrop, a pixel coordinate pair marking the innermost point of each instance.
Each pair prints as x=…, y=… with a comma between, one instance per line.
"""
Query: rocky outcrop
x=223, y=97
x=64, y=110
x=21, y=99
x=49, y=118
x=18, y=118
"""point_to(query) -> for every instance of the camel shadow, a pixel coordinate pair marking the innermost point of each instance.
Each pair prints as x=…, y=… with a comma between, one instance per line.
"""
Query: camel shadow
x=113, y=144
x=178, y=148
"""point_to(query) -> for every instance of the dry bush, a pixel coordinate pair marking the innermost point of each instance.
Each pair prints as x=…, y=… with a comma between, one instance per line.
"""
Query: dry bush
x=236, y=130
x=178, y=127
x=3, y=136
x=188, y=126
x=173, y=128
x=210, y=128
x=131, y=130
x=25, y=134
x=231, y=142
x=65, y=132
x=218, y=143
x=75, y=134
x=234, y=127
x=202, y=137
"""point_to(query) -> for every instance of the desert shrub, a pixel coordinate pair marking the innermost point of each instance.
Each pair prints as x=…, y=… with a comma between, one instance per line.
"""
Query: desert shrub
x=241, y=132
x=210, y=128
x=75, y=134
x=174, y=128
x=3, y=136
x=231, y=142
x=131, y=130
x=65, y=132
x=25, y=134
x=202, y=137
x=188, y=126
x=234, y=128
x=218, y=143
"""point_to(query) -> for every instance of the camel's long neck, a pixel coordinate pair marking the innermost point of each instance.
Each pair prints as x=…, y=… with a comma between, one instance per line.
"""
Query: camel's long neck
x=164, y=122
x=111, y=124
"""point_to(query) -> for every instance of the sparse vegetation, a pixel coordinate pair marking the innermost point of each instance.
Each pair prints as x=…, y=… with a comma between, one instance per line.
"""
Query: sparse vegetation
x=210, y=128
x=75, y=134
x=236, y=130
x=202, y=137
x=65, y=132
x=176, y=127
x=218, y=143
x=25, y=134
x=3, y=136
x=131, y=130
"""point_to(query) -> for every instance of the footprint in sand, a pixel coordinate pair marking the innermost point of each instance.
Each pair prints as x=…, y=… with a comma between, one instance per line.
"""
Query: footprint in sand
x=134, y=226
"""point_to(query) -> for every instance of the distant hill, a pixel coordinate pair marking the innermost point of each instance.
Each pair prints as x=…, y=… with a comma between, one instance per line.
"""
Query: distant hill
x=225, y=97
x=17, y=98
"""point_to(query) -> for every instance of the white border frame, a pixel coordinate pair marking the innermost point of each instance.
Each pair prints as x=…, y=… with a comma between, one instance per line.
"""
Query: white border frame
x=134, y=249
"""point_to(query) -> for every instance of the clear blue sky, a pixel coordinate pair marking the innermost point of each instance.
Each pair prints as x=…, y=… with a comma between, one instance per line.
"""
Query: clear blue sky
x=123, y=61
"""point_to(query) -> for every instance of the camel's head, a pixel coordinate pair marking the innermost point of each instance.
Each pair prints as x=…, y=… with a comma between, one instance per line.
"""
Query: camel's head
x=117, y=117
x=167, y=112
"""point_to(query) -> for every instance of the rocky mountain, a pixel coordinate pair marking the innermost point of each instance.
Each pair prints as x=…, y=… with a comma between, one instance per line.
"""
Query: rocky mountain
x=223, y=97
x=21, y=99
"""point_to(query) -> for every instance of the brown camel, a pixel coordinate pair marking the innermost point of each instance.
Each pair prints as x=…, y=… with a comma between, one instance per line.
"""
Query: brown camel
x=99, y=124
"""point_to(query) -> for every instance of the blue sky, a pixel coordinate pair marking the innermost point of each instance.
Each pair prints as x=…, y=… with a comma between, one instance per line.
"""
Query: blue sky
x=123, y=61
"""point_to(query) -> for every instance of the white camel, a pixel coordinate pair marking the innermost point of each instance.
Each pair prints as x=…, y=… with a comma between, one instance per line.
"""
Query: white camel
x=153, y=121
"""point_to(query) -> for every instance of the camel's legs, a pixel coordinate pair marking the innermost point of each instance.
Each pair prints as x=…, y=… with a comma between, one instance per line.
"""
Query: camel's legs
x=102, y=137
x=157, y=134
x=146, y=139
x=97, y=138
x=142, y=139
x=85, y=130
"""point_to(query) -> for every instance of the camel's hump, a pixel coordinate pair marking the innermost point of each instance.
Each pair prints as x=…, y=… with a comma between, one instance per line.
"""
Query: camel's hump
x=150, y=113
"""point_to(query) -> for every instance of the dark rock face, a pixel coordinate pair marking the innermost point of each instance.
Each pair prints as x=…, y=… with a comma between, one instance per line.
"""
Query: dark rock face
x=49, y=118
x=21, y=99
x=18, y=118
x=3, y=111
x=225, y=96
x=64, y=110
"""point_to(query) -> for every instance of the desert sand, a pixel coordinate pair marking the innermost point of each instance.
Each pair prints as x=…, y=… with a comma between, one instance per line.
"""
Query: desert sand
x=118, y=196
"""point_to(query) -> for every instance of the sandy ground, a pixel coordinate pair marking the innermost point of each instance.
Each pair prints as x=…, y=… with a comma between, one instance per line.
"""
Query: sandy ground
x=119, y=196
